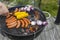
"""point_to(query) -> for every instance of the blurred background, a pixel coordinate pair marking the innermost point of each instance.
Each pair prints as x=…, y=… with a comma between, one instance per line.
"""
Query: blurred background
x=50, y=6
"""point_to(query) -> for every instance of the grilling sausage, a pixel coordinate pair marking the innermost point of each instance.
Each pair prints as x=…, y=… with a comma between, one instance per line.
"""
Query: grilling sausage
x=8, y=16
x=22, y=23
x=13, y=19
x=18, y=24
x=27, y=20
x=12, y=26
x=11, y=22
x=8, y=24
x=26, y=23
x=7, y=20
x=16, y=10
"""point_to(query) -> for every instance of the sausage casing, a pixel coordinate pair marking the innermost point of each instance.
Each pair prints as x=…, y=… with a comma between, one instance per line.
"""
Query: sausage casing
x=22, y=23
x=18, y=24
x=13, y=19
x=12, y=26
x=26, y=23
x=27, y=20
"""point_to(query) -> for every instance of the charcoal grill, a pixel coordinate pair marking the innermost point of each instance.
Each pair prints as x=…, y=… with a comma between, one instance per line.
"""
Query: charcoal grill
x=17, y=36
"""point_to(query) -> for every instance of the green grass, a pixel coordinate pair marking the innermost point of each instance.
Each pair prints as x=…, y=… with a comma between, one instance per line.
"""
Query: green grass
x=50, y=6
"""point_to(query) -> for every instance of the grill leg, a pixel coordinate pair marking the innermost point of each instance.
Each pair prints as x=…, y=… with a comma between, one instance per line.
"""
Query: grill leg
x=57, y=21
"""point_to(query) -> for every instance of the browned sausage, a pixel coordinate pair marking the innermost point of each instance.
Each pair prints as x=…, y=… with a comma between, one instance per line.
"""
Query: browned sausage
x=8, y=15
x=12, y=26
x=9, y=18
x=22, y=23
x=16, y=10
x=8, y=24
x=13, y=19
x=26, y=23
x=27, y=20
x=18, y=24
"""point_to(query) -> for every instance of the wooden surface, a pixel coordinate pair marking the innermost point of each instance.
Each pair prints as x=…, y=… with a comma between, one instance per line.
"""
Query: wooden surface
x=51, y=32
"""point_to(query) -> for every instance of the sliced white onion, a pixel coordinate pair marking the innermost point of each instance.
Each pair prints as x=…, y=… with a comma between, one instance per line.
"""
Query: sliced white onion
x=33, y=23
x=39, y=22
x=44, y=23
x=28, y=9
x=32, y=8
x=22, y=8
x=25, y=8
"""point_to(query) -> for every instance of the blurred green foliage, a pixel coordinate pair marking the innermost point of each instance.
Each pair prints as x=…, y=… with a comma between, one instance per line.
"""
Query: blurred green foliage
x=50, y=6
